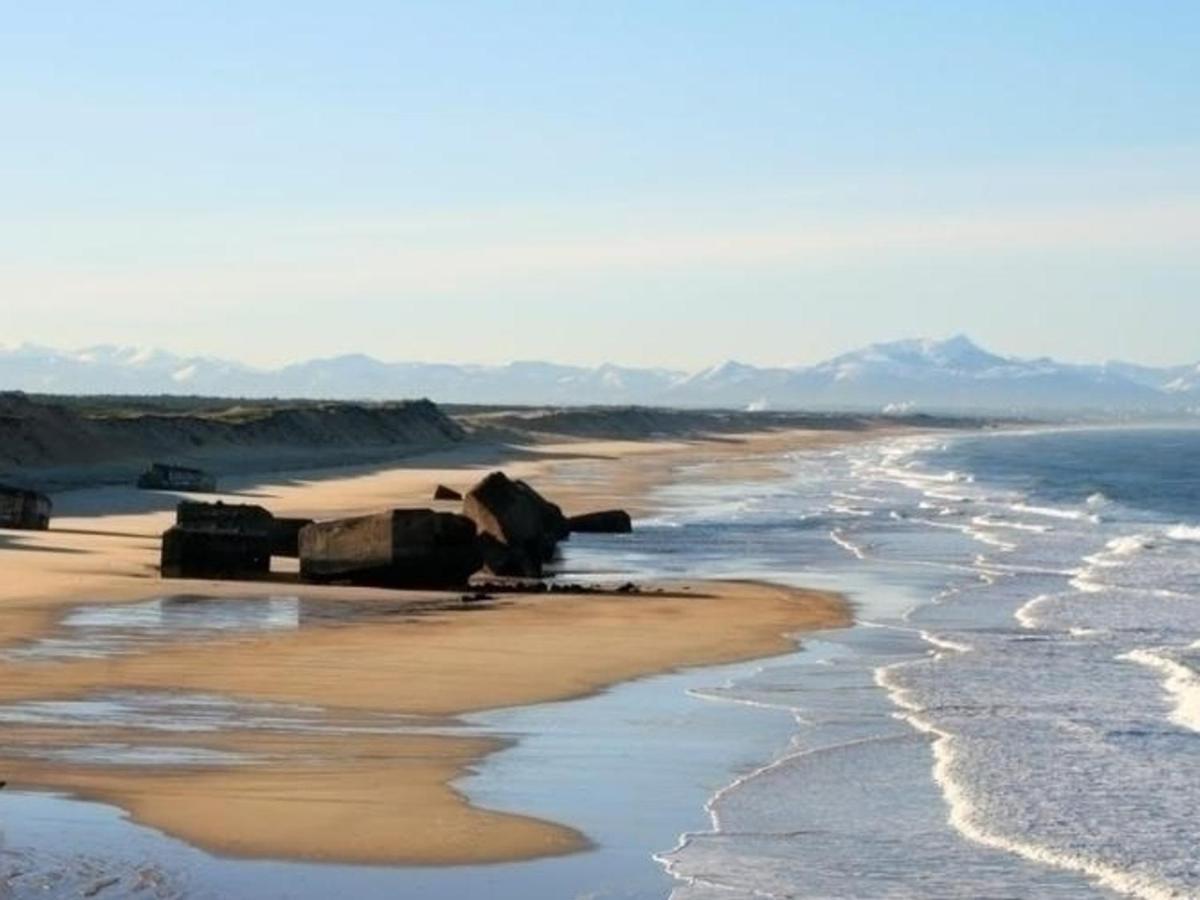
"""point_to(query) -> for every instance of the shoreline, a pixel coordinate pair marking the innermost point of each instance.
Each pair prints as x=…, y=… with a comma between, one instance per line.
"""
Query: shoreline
x=637, y=636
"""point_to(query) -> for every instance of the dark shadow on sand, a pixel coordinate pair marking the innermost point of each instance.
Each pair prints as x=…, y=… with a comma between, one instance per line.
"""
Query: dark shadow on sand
x=119, y=500
x=86, y=532
x=11, y=540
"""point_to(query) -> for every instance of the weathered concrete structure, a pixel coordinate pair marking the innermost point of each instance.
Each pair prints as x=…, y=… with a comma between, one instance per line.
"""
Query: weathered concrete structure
x=608, y=521
x=24, y=509
x=210, y=553
x=226, y=540
x=164, y=477
x=243, y=518
x=400, y=548
x=446, y=493
x=519, y=529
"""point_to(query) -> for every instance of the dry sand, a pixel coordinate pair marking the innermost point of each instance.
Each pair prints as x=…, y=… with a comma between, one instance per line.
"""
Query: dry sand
x=353, y=797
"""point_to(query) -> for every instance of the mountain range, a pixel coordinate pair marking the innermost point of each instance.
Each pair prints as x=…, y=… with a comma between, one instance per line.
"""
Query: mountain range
x=952, y=375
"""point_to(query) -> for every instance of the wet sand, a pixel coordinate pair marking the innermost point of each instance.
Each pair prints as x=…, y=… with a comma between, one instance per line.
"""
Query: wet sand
x=355, y=791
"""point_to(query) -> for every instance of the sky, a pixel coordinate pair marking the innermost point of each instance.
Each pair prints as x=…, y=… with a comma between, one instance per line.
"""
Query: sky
x=648, y=183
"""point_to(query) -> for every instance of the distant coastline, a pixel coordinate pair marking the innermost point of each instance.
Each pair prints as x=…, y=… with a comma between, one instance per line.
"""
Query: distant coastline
x=55, y=443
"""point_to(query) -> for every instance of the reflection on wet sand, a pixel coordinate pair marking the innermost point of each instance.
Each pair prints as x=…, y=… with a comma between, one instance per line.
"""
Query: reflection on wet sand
x=103, y=630
x=246, y=764
x=326, y=729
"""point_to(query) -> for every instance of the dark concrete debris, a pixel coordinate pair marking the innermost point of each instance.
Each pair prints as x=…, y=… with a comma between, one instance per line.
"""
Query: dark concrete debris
x=506, y=527
x=24, y=509
x=167, y=477
x=236, y=517
x=519, y=528
x=400, y=548
x=210, y=553
x=609, y=521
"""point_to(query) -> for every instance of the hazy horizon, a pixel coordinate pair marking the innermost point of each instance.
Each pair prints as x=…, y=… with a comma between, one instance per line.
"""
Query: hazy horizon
x=656, y=184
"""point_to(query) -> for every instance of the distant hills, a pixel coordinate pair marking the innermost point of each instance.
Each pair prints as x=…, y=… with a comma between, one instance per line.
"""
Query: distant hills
x=952, y=375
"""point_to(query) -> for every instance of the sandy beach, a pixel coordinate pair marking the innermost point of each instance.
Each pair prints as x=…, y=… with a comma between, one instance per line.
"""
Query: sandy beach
x=394, y=669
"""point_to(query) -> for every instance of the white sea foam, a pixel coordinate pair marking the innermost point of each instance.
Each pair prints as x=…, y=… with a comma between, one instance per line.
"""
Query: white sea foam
x=885, y=676
x=1054, y=512
x=854, y=498
x=1182, y=683
x=1081, y=582
x=907, y=474
x=1184, y=533
x=1026, y=615
x=1127, y=545
x=967, y=819
x=944, y=643
x=1117, y=552
x=948, y=496
x=664, y=521
x=849, y=510
x=991, y=522
x=940, y=508
x=992, y=540
x=839, y=538
x=901, y=697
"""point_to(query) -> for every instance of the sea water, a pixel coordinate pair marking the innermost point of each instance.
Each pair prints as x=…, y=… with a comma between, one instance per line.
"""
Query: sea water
x=1024, y=721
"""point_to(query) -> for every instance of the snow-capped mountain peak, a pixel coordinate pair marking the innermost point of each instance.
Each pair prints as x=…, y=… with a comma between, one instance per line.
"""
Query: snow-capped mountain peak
x=728, y=370
x=1187, y=382
x=911, y=356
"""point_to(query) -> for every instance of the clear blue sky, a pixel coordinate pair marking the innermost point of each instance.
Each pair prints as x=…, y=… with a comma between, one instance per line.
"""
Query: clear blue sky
x=643, y=182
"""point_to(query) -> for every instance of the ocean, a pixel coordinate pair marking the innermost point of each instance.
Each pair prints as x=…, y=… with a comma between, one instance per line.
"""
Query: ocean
x=1014, y=714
